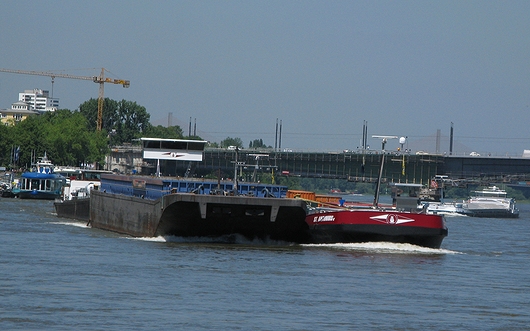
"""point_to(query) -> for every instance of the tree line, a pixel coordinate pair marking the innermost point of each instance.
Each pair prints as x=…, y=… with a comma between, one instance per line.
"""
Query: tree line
x=70, y=138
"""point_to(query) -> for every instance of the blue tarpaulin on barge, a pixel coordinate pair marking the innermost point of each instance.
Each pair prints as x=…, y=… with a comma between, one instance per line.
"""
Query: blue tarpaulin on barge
x=154, y=187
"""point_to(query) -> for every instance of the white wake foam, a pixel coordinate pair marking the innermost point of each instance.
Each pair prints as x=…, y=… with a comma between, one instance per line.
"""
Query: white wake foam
x=73, y=223
x=153, y=239
x=384, y=247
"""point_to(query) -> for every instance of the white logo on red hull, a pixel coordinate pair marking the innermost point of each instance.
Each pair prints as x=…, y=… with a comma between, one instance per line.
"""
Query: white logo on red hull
x=392, y=219
x=325, y=218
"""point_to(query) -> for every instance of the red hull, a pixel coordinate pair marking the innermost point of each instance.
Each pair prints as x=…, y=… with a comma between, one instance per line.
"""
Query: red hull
x=377, y=225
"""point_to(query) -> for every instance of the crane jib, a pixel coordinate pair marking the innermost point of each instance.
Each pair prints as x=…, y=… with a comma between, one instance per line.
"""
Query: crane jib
x=101, y=79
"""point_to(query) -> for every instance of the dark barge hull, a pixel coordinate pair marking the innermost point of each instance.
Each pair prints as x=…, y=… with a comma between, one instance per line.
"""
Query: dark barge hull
x=198, y=215
x=491, y=213
x=38, y=195
x=78, y=209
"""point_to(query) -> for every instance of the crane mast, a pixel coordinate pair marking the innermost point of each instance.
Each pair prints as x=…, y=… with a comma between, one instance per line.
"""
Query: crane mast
x=101, y=80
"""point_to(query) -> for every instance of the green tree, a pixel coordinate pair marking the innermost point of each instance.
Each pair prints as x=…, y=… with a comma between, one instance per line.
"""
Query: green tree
x=293, y=183
x=455, y=193
x=159, y=131
x=63, y=135
x=232, y=142
x=258, y=143
x=6, y=144
x=126, y=120
x=133, y=121
x=516, y=194
x=71, y=142
x=30, y=135
x=89, y=109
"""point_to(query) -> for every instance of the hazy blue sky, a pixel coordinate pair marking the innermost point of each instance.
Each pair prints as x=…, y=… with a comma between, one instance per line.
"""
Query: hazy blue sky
x=322, y=67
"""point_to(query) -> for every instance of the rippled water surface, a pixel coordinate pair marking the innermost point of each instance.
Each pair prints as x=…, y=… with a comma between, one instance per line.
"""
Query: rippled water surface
x=58, y=274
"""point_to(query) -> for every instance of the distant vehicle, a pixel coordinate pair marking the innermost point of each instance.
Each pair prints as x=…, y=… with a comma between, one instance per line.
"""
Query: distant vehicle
x=474, y=154
x=421, y=153
x=441, y=177
x=232, y=148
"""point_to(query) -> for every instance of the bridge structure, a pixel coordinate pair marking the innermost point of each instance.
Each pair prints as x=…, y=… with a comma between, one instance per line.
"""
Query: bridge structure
x=363, y=167
x=351, y=166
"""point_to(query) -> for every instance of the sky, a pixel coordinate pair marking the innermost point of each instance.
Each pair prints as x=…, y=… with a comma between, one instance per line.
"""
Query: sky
x=322, y=68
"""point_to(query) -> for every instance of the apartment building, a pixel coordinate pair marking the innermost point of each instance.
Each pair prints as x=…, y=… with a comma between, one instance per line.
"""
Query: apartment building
x=39, y=100
x=30, y=102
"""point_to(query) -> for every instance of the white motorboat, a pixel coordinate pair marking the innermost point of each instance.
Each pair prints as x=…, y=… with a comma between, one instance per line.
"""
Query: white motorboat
x=444, y=208
x=491, y=202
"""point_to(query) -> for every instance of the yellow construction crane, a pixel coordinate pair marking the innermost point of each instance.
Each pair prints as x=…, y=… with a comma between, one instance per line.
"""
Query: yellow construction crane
x=101, y=80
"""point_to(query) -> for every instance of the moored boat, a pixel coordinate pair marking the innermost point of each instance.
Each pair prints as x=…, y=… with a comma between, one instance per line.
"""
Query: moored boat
x=444, y=208
x=6, y=185
x=40, y=183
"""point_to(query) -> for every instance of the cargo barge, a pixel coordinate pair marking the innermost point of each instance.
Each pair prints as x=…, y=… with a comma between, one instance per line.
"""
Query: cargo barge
x=152, y=206
x=162, y=206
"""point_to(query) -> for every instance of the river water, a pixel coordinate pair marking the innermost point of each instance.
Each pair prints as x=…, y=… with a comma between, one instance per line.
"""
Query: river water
x=59, y=274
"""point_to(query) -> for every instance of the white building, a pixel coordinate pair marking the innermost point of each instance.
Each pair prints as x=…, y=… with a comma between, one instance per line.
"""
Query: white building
x=39, y=100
